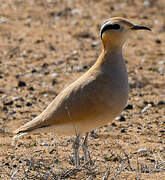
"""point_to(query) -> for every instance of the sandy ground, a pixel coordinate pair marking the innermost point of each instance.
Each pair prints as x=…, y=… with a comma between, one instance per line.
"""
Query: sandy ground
x=47, y=44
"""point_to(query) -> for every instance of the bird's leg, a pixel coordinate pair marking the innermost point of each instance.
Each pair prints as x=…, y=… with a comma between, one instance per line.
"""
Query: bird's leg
x=76, y=146
x=85, y=148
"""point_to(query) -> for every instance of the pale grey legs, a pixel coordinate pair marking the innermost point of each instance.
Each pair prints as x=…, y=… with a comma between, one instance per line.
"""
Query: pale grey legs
x=85, y=148
x=76, y=146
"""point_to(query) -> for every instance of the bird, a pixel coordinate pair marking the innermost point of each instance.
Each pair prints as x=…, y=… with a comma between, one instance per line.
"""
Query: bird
x=94, y=99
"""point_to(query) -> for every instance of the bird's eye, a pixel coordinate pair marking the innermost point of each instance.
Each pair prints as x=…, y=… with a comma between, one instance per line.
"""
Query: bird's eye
x=116, y=26
x=108, y=26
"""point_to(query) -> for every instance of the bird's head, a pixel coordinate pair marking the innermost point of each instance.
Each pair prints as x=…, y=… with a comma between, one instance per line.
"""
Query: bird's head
x=115, y=31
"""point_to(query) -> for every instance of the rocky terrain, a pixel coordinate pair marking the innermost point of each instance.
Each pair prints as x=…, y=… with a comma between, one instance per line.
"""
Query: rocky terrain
x=47, y=44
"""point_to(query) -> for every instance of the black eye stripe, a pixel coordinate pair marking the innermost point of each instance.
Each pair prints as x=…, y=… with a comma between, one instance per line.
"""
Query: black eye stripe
x=109, y=26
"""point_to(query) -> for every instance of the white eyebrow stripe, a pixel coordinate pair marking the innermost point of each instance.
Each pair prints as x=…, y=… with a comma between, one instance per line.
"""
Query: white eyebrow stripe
x=105, y=24
x=105, y=21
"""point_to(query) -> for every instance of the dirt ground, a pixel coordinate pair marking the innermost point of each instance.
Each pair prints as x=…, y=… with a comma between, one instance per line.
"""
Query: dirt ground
x=47, y=44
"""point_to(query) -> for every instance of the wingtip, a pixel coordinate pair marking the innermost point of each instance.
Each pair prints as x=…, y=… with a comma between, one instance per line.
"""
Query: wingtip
x=16, y=137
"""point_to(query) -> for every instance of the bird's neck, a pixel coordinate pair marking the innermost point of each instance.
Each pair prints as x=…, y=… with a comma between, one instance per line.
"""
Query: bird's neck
x=110, y=55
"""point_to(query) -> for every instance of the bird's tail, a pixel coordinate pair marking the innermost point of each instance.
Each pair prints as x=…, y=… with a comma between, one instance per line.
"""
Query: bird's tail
x=37, y=125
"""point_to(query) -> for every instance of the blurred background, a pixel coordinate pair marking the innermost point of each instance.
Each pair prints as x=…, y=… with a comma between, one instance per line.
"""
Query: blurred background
x=47, y=44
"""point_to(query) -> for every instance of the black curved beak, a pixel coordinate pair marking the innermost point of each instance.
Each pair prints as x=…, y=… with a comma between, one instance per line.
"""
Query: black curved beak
x=138, y=27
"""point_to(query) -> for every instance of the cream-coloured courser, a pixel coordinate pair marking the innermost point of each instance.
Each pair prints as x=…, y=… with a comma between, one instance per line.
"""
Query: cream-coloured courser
x=98, y=96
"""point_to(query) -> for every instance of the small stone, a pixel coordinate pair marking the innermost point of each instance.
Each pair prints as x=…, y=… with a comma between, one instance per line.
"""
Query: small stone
x=123, y=130
x=14, y=166
x=162, y=130
x=9, y=103
x=46, y=95
x=54, y=82
x=94, y=134
x=161, y=70
x=17, y=76
x=158, y=41
x=78, y=68
x=44, y=144
x=28, y=104
x=45, y=65
x=74, y=52
x=143, y=60
x=4, y=109
x=113, y=124
x=161, y=62
x=15, y=98
x=146, y=3
x=129, y=106
x=31, y=89
x=95, y=43
x=146, y=108
x=24, y=54
x=55, y=75
x=74, y=23
x=60, y=62
x=51, y=47
x=34, y=71
x=11, y=112
x=76, y=11
x=21, y=84
x=4, y=96
x=161, y=103
x=142, y=150
x=3, y=19
x=120, y=118
x=18, y=106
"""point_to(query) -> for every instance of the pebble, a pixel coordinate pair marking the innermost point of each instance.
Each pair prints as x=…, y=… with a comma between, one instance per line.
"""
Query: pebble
x=24, y=54
x=45, y=65
x=15, y=98
x=55, y=75
x=142, y=150
x=146, y=108
x=162, y=130
x=34, y=70
x=31, y=89
x=51, y=47
x=76, y=11
x=4, y=96
x=113, y=124
x=21, y=84
x=146, y=3
x=78, y=68
x=28, y=104
x=129, y=106
x=3, y=20
x=123, y=130
x=4, y=109
x=11, y=112
x=161, y=70
x=120, y=118
x=95, y=43
x=161, y=103
x=60, y=61
x=46, y=95
x=74, y=23
x=143, y=60
x=9, y=103
x=161, y=62
x=54, y=82
x=74, y=52
x=158, y=41
x=44, y=144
